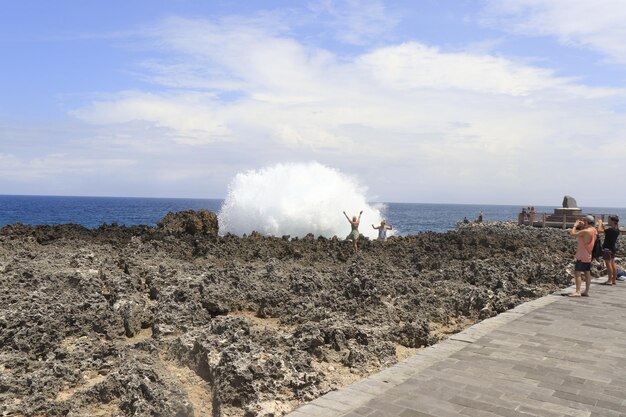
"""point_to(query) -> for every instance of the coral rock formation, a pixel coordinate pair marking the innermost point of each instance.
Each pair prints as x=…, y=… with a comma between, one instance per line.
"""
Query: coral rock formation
x=178, y=321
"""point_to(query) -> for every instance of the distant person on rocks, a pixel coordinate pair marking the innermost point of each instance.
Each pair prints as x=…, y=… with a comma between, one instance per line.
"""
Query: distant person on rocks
x=480, y=217
x=354, y=233
x=465, y=220
x=586, y=234
x=382, y=230
x=611, y=233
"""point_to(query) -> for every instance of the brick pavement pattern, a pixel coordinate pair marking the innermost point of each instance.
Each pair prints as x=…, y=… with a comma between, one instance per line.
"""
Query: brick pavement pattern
x=551, y=357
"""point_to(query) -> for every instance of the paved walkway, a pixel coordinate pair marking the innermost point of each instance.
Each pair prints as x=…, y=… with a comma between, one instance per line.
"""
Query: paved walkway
x=555, y=356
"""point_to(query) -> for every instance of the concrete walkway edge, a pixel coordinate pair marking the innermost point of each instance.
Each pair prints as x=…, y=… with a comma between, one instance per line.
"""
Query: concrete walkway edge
x=352, y=397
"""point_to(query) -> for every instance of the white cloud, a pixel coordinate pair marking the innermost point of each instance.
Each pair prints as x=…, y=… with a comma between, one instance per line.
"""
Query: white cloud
x=416, y=66
x=414, y=122
x=597, y=25
x=42, y=167
x=191, y=118
x=357, y=21
x=303, y=96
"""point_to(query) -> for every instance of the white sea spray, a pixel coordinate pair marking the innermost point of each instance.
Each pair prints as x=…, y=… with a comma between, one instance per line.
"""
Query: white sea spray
x=296, y=199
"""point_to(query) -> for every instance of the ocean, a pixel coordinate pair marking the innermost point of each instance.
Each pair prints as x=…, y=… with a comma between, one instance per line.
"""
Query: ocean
x=91, y=212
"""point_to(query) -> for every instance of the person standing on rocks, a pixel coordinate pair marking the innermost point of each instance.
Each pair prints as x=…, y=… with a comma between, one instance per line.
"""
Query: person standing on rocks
x=586, y=234
x=382, y=230
x=354, y=233
x=611, y=234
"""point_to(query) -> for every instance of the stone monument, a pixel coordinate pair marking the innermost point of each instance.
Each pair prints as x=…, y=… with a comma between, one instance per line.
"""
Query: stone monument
x=569, y=208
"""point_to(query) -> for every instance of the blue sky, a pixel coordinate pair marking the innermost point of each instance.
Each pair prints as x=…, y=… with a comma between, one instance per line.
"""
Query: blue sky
x=509, y=102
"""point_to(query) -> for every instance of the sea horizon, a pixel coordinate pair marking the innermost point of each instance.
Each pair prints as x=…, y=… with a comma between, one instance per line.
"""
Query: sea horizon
x=94, y=211
x=223, y=198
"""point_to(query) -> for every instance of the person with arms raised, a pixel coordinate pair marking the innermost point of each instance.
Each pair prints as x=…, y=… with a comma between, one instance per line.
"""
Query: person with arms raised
x=354, y=232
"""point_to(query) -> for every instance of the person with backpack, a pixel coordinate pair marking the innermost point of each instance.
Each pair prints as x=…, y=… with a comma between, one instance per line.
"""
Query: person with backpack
x=611, y=234
x=586, y=234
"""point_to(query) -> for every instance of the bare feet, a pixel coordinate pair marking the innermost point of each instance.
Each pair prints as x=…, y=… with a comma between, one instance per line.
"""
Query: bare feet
x=608, y=283
x=585, y=294
x=575, y=294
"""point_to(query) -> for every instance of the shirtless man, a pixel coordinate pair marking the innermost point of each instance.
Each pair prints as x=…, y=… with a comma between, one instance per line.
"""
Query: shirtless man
x=586, y=234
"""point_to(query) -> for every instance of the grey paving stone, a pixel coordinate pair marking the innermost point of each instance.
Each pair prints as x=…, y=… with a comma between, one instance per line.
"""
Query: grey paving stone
x=573, y=408
x=298, y=413
x=354, y=414
x=611, y=405
x=554, y=356
x=364, y=411
x=386, y=407
x=314, y=410
x=333, y=405
x=539, y=411
x=413, y=413
x=349, y=396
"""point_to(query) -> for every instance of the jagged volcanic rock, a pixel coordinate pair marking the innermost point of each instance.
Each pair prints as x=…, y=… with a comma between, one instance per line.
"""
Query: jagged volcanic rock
x=177, y=321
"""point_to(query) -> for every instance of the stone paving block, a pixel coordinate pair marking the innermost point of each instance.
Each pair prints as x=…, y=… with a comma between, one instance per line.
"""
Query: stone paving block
x=614, y=392
x=525, y=409
x=618, y=383
x=349, y=396
x=575, y=389
x=298, y=413
x=580, y=398
x=314, y=410
x=353, y=414
x=494, y=398
x=387, y=407
x=606, y=401
x=369, y=386
x=483, y=405
x=413, y=413
x=562, y=409
x=466, y=337
x=333, y=405
x=610, y=405
x=591, y=375
x=472, y=412
x=392, y=379
x=573, y=408
x=545, y=358
x=364, y=410
x=433, y=392
x=378, y=413
x=438, y=410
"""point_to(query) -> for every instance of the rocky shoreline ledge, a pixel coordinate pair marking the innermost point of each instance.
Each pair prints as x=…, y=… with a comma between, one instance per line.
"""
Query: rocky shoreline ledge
x=177, y=321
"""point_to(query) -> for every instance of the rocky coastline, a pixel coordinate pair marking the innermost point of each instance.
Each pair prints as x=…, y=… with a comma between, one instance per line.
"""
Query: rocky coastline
x=178, y=321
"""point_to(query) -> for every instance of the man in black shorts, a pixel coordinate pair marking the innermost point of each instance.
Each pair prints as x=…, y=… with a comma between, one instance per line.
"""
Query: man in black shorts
x=609, y=248
x=586, y=234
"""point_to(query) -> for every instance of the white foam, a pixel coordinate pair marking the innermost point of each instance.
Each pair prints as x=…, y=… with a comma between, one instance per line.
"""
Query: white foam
x=296, y=199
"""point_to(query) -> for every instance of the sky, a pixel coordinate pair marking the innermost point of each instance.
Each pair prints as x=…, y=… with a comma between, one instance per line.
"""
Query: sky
x=432, y=101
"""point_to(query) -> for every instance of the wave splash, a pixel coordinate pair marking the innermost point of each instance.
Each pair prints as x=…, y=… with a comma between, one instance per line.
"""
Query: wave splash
x=296, y=199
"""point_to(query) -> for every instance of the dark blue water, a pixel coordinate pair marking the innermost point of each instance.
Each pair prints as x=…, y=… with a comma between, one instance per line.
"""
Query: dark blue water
x=92, y=212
